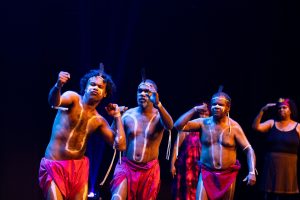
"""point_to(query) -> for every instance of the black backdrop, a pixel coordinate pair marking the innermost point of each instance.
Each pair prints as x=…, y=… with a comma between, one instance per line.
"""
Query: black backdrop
x=188, y=47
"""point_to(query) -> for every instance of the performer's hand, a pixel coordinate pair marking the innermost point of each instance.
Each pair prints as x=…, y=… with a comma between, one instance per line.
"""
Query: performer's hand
x=266, y=107
x=113, y=110
x=173, y=171
x=123, y=109
x=63, y=77
x=153, y=96
x=251, y=179
x=202, y=108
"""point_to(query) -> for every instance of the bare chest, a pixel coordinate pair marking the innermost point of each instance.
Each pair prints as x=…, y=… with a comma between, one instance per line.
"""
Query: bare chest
x=217, y=135
x=83, y=121
x=142, y=126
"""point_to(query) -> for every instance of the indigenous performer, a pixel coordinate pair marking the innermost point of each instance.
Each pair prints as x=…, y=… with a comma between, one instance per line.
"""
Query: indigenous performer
x=220, y=136
x=63, y=172
x=137, y=177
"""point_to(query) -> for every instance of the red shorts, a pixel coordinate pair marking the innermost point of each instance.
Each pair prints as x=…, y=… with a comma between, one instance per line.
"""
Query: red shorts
x=217, y=182
x=143, y=180
x=70, y=176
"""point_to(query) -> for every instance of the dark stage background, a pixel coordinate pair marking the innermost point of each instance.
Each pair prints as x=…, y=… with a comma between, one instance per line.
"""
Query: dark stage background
x=188, y=47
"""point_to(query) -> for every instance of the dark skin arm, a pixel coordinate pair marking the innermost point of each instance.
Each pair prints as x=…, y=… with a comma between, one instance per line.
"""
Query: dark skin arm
x=54, y=97
x=166, y=118
x=173, y=159
x=251, y=159
x=119, y=133
x=265, y=126
x=183, y=123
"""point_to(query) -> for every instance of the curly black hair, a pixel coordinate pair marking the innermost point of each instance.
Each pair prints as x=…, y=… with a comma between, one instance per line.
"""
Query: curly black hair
x=110, y=85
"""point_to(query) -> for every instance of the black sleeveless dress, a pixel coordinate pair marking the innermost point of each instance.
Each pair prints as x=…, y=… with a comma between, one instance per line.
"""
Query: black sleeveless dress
x=280, y=164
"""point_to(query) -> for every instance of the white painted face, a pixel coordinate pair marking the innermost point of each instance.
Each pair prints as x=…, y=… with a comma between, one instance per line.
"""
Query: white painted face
x=144, y=92
x=96, y=87
x=146, y=85
x=219, y=106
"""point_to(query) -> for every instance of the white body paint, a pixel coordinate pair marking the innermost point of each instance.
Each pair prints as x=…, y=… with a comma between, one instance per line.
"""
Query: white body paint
x=177, y=144
x=72, y=132
x=53, y=189
x=220, y=145
x=218, y=106
x=60, y=108
x=169, y=146
x=117, y=193
x=145, y=136
x=212, y=149
x=220, y=97
x=201, y=188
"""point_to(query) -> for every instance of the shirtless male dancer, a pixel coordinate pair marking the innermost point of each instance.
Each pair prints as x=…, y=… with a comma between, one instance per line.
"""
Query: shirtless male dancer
x=138, y=175
x=64, y=170
x=219, y=138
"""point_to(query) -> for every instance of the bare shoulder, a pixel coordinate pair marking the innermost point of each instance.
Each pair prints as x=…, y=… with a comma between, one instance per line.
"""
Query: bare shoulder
x=206, y=120
x=70, y=93
x=270, y=122
x=197, y=120
x=298, y=128
x=70, y=99
x=98, y=116
x=100, y=120
x=200, y=122
x=129, y=113
x=234, y=124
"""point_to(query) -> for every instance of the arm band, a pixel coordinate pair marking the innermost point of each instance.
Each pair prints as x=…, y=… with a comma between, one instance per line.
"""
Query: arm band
x=246, y=147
